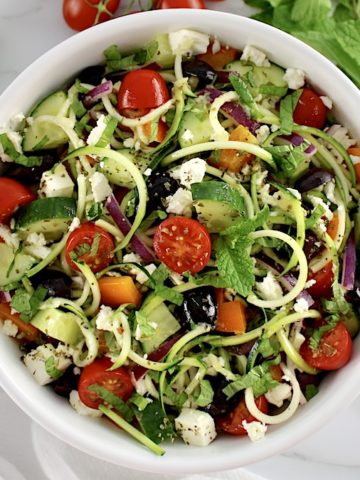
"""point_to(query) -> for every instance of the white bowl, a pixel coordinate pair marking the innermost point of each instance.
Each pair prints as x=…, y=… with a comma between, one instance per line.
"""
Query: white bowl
x=96, y=437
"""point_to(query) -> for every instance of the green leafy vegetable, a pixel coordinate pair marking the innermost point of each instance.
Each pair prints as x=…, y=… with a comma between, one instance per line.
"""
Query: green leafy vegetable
x=245, y=96
x=113, y=400
x=156, y=281
x=310, y=391
x=139, y=401
x=51, y=369
x=113, y=58
x=154, y=423
x=206, y=394
x=27, y=304
x=19, y=158
x=287, y=107
x=95, y=211
x=144, y=326
x=288, y=158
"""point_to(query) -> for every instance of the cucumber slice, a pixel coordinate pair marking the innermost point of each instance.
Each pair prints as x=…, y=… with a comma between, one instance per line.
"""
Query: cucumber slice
x=59, y=325
x=50, y=216
x=215, y=215
x=262, y=75
x=163, y=56
x=194, y=128
x=117, y=174
x=13, y=266
x=41, y=135
x=167, y=325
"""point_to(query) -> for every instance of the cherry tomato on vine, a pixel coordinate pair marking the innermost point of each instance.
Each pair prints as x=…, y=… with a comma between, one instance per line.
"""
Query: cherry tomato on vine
x=89, y=244
x=12, y=196
x=142, y=90
x=82, y=14
x=334, y=349
x=310, y=110
x=183, y=244
x=324, y=279
x=162, y=4
x=116, y=381
x=232, y=423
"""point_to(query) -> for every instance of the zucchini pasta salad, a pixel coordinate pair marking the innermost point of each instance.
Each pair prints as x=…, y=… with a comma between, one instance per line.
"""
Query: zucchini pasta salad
x=179, y=228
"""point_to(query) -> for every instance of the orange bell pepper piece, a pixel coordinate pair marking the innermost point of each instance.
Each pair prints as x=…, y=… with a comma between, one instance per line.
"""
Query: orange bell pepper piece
x=29, y=331
x=333, y=226
x=116, y=291
x=231, y=315
x=234, y=160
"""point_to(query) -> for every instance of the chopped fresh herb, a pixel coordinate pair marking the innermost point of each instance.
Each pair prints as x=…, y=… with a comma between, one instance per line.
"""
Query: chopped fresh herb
x=113, y=400
x=111, y=124
x=273, y=90
x=310, y=391
x=144, y=326
x=51, y=369
x=78, y=108
x=177, y=399
x=95, y=211
x=245, y=96
x=154, y=423
x=149, y=220
x=156, y=281
x=287, y=107
x=27, y=304
x=288, y=158
x=113, y=58
x=206, y=394
x=318, y=333
x=95, y=245
x=315, y=216
x=79, y=87
x=19, y=158
x=139, y=401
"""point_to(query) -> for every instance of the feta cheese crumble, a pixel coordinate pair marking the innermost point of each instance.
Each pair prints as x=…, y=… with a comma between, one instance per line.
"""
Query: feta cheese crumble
x=80, y=407
x=262, y=133
x=56, y=183
x=188, y=42
x=180, y=203
x=192, y=171
x=35, y=361
x=100, y=186
x=295, y=78
x=255, y=56
x=195, y=427
x=327, y=102
x=278, y=394
x=104, y=318
x=97, y=131
x=35, y=244
x=269, y=288
x=9, y=328
x=74, y=224
x=255, y=430
x=301, y=305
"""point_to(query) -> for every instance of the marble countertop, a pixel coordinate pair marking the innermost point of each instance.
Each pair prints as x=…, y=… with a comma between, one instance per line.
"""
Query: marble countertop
x=28, y=28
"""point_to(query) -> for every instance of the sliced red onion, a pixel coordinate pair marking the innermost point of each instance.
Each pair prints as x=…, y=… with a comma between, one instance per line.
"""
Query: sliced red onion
x=5, y=297
x=98, y=92
x=307, y=297
x=233, y=110
x=310, y=150
x=156, y=356
x=349, y=264
x=125, y=226
x=294, y=139
x=313, y=178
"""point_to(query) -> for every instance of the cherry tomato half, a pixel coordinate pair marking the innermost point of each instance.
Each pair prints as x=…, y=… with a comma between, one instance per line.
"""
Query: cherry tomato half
x=82, y=14
x=334, y=349
x=116, y=381
x=310, y=110
x=232, y=423
x=162, y=4
x=183, y=244
x=324, y=279
x=142, y=89
x=12, y=196
x=89, y=244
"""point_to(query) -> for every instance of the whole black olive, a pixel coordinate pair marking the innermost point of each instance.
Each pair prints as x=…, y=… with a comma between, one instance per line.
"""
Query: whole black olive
x=200, y=70
x=57, y=283
x=4, y=166
x=220, y=404
x=30, y=175
x=312, y=245
x=199, y=306
x=313, y=178
x=160, y=185
x=116, y=76
x=93, y=74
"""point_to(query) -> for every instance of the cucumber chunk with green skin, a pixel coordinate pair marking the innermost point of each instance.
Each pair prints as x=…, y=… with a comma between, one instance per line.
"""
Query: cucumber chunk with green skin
x=163, y=55
x=166, y=325
x=216, y=216
x=261, y=75
x=59, y=325
x=42, y=135
x=13, y=266
x=194, y=128
x=50, y=216
x=117, y=174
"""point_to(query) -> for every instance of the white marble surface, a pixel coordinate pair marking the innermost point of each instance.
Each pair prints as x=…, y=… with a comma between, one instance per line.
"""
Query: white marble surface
x=27, y=29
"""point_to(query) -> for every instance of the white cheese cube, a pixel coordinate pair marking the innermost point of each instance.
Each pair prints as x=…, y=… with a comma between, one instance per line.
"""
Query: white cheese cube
x=56, y=183
x=192, y=171
x=36, y=359
x=80, y=407
x=195, y=427
x=100, y=187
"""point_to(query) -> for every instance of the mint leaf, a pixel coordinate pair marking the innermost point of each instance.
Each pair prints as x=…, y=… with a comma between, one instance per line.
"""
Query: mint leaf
x=309, y=12
x=27, y=304
x=287, y=107
x=245, y=226
x=95, y=211
x=310, y=391
x=206, y=394
x=288, y=158
x=19, y=158
x=154, y=423
x=318, y=333
x=143, y=324
x=152, y=218
x=258, y=378
x=245, y=96
x=156, y=281
x=113, y=400
x=51, y=370
x=177, y=399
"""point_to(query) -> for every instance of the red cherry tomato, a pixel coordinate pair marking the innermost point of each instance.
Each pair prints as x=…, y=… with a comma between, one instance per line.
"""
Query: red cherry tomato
x=162, y=4
x=12, y=196
x=142, y=89
x=82, y=14
x=334, y=349
x=116, y=381
x=232, y=422
x=183, y=244
x=310, y=110
x=324, y=279
x=89, y=244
